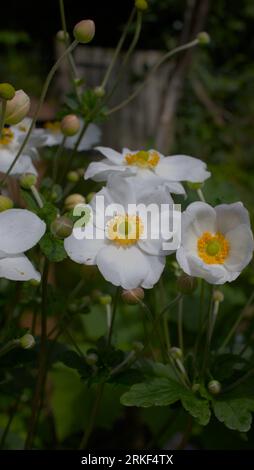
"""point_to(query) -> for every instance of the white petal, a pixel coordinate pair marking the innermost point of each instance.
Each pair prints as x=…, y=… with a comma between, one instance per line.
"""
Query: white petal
x=18, y=268
x=198, y=218
x=83, y=251
x=229, y=216
x=112, y=155
x=91, y=137
x=175, y=188
x=241, y=248
x=100, y=171
x=122, y=190
x=52, y=138
x=23, y=164
x=194, y=266
x=182, y=168
x=20, y=230
x=126, y=267
x=156, y=267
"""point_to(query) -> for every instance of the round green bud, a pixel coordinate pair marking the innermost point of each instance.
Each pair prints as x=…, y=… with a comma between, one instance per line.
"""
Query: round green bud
x=214, y=387
x=195, y=388
x=70, y=125
x=194, y=186
x=5, y=203
x=186, y=284
x=90, y=196
x=73, y=176
x=84, y=31
x=17, y=108
x=27, y=341
x=176, y=353
x=72, y=200
x=61, y=36
x=203, y=38
x=133, y=296
x=141, y=5
x=138, y=346
x=99, y=91
x=7, y=91
x=105, y=299
x=61, y=227
x=27, y=180
x=34, y=282
x=91, y=359
x=218, y=296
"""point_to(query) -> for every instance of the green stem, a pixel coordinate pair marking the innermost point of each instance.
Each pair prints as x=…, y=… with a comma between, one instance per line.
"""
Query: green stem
x=209, y=334
x=93, y=416
x=201, y=195
x=180, y=324
x=150, y=74
x=113, y=315
x=2, y=118
x=118, y=49
x=36, y=114
x=9, y=422
x=75, y=149
x=42, y=361
x=56, y=158
x=37, y=196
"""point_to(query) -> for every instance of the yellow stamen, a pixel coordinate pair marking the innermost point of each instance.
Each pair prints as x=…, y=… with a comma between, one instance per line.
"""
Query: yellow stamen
x=125, y=229
x=143, y=159
x=213, y=248
x=7, y=136
x=53, y=126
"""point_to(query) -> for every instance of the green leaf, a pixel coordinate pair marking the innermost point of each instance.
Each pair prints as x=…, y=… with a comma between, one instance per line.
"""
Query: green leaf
x=199, y=409
x=47, y=213
x=157, y=392
x=31, y=204
x=53, y=248
x=234, y=413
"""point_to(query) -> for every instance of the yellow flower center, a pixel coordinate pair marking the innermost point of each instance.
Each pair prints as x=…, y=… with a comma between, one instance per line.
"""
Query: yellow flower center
x=143, y=159
x=53, y=126
x=7, y=136
x=213, y=248
x=124, y=229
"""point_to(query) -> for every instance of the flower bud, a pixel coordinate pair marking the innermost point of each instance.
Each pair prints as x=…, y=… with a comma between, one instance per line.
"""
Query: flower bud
x=138, y=346
x=61, y=227
x=7, y=91
x=203, y=38
x=195, y=388
x=73, y=176
x=99, y=91
x=34, y=282
x=91, y=359
x=141, y=5
x=186, y=284
x=27, y=341
x=5, y=203
x=176, y=353
x=214, y=387
x=218, y=296
x=195, y=186
x=70, y=125
x=71, y=201
x=61, y=36
x=27, y=180
x=90, y=196
x=105, y=299
x=84, y=31
x=17, y=108
x=133, y=296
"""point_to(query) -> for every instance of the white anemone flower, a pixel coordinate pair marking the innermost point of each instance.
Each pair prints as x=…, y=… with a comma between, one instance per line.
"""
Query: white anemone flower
x=10, y=142
x=54, y=136
x=20, y=230
x=152, y=166
x=124, y=256
x=217, y=243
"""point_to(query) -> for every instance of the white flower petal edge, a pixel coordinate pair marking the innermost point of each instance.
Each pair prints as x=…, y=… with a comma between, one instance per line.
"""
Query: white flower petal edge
x=235, y=250
x=18, y=268
x=20, y=230
x=182, y=168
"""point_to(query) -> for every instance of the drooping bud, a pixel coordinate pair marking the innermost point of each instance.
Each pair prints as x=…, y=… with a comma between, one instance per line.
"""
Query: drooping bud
x=84, y=31
x=91, y=359
x=176, y=353
x=203, y=38
x=89, y=197
x=17, y=108
x=7, y=91
x=214, y=387
x=105, y=299
x=70, y=125
x=218, y=296
x=61, y=36
x=186, y=284
x=73, y=176
x=141, y=5
x=27, y=341
x=133, y=296
x=5, y=203
x=71, y=201
x=99, y=91
x=27, y=180
x=195, y=186
x=61, y=227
